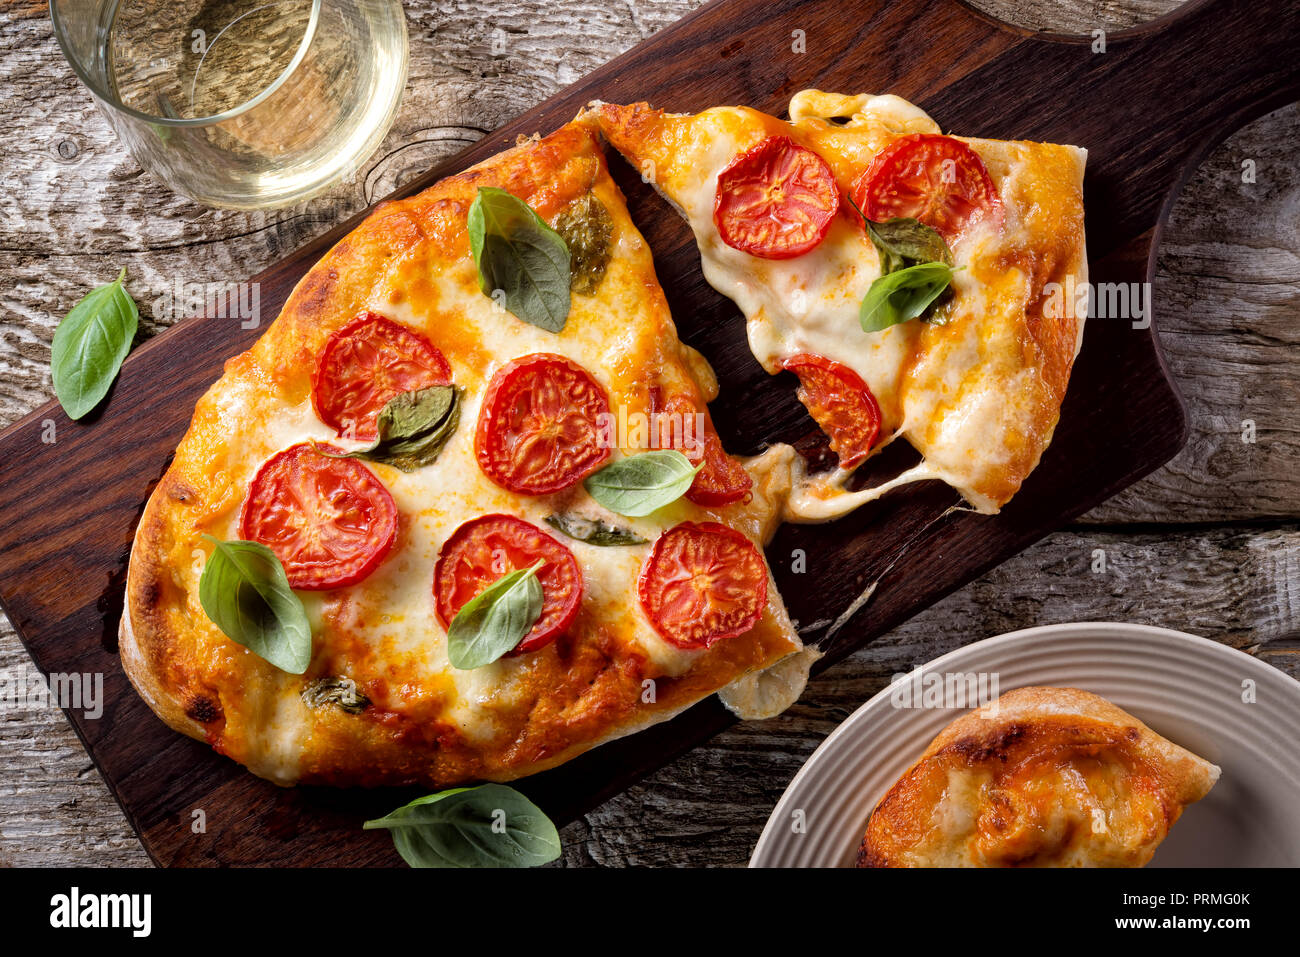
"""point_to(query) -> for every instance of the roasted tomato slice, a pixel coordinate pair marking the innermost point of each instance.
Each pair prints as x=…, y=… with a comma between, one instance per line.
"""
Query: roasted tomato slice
x=329, y=521
x=702, y=583
x=840, y=402
x=723, y=480
x=484, y=549
x=539, y=430
x=775, y=200
x=936, y=179
x=364, y=365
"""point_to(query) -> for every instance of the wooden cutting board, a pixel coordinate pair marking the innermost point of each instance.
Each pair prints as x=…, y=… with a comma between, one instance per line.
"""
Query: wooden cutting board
x=1148, y=108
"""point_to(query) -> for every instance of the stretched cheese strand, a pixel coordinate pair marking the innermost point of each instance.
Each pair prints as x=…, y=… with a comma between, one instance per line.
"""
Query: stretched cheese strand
x=822, y=497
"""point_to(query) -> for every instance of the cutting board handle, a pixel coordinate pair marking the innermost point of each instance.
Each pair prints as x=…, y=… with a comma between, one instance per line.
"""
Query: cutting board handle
x=1151, y=102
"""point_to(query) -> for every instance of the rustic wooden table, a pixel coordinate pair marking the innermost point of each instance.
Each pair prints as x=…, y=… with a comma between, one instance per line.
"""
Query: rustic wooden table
x=1208, y=544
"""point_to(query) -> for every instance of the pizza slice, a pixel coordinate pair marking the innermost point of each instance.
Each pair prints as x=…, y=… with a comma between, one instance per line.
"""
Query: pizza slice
x=917, y=284
x=460, y=513
x=1042, y=777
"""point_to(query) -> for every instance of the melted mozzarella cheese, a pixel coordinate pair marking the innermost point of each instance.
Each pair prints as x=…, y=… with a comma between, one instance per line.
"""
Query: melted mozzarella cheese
x=766, y=693
x=937, y=389
x=886, y=110
x=1079, y=814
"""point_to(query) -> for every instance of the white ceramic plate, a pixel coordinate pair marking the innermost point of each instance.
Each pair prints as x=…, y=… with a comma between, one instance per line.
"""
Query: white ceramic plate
x=1186, y=688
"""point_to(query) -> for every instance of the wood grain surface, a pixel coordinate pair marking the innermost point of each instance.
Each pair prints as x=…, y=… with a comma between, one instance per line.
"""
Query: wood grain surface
x=1209, y=544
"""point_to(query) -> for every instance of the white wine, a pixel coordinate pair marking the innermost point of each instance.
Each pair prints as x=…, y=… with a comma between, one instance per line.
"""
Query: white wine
x=256, y=103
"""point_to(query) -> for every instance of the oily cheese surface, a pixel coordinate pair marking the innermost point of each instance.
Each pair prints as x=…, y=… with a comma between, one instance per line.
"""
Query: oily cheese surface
x=979, y=396
x=1043, y=777
x=429, y=723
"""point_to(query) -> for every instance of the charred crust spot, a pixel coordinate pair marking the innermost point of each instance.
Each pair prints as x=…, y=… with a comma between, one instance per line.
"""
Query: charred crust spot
x=978, y=750
x=869, y=856
x=316, y=290
x=203, y=710
x=150, y=593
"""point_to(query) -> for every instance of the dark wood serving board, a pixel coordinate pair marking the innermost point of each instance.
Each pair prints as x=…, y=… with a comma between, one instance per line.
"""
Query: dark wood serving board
x=1148, y=109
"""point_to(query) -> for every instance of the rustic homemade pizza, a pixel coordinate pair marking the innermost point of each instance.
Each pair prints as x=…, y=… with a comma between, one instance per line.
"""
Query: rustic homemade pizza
x=460, y=513
x=915, y=282
x=1042, y=777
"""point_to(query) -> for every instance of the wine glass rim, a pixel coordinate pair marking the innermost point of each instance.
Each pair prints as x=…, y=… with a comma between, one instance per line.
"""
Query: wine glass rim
x=116, y=104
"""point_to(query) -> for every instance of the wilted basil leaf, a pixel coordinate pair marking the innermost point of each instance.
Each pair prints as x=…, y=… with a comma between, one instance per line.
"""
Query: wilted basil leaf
x=89, y=346
x=639, y=484
x=593, y=531
x=495, y=620
x=245, y=592
x=517, y=253
x=906, y=242
x=586, y=228
x=413, y=428
x=340, y=692
x=488, y=826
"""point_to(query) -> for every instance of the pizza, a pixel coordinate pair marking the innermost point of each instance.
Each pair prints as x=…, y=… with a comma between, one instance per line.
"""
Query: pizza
x=914, y=282
x=1042, y=777
x=384, y=554
x=461, y=513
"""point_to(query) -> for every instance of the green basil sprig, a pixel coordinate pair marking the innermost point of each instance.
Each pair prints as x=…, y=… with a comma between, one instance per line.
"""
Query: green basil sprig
x=592, y=531
x=639, y=484
x=245, y=592
x=495, y=620
x=413, y=428
x=903, y=295
x=90, y=344
x=488, y=826
x=915, y=270
x=517, y=253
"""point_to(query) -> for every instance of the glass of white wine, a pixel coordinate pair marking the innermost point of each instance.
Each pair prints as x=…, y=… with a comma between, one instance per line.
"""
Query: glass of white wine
x=241, y=103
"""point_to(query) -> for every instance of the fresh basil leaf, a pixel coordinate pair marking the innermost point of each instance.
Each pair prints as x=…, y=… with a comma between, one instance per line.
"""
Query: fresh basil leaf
x=639, y=484
x=904, y=242
x=245, y=592
x=592, y=530
x=89, y=346
x=413, y=428
x=488, y=826
x=342, y=693
x=517, y=253
x=495, y=620
x=903, y=295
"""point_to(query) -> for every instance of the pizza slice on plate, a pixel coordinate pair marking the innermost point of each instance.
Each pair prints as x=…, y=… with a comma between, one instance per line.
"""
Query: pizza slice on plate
x=1042, y=777
x=918, y=284
x=460, y=513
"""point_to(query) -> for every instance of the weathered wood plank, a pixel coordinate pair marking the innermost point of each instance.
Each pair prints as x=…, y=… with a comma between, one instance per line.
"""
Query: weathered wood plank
x=78, y=209
x=54, y=807
x=1228, y=299
x=1075, y=16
